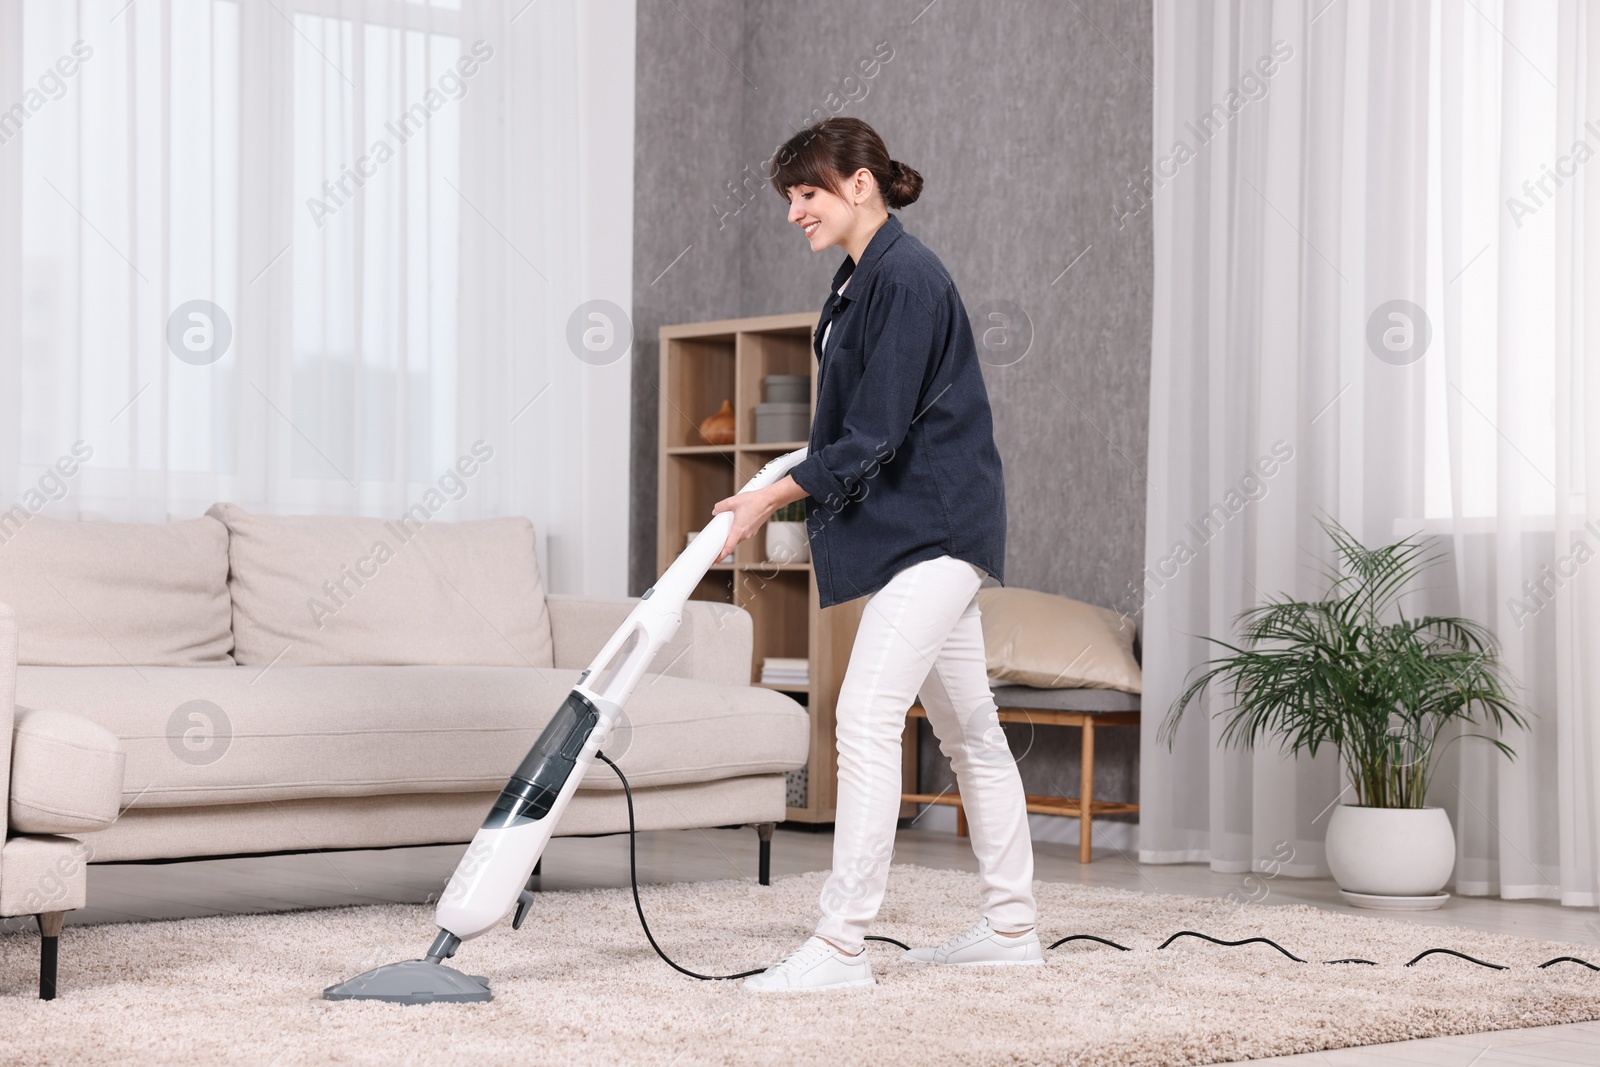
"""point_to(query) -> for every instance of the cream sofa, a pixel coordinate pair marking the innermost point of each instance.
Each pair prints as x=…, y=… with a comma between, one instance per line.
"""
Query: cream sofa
x=284, y=683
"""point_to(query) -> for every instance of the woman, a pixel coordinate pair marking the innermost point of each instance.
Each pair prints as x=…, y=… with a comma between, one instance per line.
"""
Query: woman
x=906, y=508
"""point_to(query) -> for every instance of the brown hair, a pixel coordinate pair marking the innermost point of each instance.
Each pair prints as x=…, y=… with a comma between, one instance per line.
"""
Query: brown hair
x=825, y=153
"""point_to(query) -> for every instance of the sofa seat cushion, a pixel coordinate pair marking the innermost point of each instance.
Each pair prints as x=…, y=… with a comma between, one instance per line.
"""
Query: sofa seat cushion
x=66, y=773
x=230, y=735
x=113, y=593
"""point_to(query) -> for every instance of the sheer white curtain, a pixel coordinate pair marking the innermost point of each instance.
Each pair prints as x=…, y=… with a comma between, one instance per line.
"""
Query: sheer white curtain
x=1435, y=154
x=303, y=254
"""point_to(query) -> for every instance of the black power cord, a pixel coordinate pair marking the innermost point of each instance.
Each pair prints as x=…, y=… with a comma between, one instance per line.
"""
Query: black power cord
x=633, y=877
x=1297, y=959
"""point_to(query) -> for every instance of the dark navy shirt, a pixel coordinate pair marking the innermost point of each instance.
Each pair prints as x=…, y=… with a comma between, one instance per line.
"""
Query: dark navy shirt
x=902, y=465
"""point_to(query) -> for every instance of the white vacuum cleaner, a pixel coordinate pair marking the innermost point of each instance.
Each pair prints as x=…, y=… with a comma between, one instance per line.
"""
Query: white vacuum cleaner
x=491, y=879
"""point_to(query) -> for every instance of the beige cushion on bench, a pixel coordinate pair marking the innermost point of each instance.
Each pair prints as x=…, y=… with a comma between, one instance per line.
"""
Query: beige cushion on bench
x=236, y=734
x=66, y=773
x=1046, y=641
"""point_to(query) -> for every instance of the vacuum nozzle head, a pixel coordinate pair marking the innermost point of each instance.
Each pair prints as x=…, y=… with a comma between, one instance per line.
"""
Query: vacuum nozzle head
x=413, y=982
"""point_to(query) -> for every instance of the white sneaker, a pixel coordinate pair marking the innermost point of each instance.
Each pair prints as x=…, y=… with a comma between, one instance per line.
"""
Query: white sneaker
x=814, y=965
x=981, y=946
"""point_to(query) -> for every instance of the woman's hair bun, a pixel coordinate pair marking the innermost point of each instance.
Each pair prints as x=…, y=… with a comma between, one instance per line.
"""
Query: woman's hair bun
x=905, y=185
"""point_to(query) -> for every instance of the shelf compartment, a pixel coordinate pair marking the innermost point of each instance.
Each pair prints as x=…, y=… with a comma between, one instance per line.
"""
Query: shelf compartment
x=761, y=354
x=778, y=607
x=752, y=553
x=716, y=585
x=693, y=483
x=698, y=374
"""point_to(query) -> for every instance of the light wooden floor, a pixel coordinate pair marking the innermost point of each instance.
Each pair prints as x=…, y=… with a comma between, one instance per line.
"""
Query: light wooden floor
x=126, y=892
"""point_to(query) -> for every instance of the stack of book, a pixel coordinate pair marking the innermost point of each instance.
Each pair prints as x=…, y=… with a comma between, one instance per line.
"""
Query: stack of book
x=782, y=671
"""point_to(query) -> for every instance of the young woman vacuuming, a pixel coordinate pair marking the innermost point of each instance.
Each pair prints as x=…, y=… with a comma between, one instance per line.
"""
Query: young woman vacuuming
x=907, y=508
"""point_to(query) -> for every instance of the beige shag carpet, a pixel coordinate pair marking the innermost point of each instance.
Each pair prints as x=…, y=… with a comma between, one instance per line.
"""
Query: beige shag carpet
x=579, y=985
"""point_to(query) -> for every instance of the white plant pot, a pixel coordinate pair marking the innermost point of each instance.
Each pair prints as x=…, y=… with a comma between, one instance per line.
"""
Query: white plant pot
x=786, y=542
x=1398, y=858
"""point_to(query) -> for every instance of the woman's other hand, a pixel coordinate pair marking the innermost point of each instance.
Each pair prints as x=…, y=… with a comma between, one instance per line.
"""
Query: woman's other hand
x=752, y=509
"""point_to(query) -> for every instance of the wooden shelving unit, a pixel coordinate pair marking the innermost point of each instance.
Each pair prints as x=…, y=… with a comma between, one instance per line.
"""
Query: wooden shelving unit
x=703, y=364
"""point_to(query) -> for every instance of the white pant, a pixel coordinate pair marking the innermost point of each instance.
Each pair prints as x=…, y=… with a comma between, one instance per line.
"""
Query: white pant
x=922, y=632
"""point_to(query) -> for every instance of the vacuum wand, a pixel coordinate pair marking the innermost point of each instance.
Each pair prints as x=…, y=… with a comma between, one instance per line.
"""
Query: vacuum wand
x=491, y=879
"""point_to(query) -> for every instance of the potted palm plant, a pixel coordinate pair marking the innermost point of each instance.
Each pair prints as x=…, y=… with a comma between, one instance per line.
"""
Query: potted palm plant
x=1355, y=671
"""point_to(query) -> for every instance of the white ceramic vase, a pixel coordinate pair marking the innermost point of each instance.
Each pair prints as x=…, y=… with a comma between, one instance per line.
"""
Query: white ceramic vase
x=786, y=542
x=1397, y=858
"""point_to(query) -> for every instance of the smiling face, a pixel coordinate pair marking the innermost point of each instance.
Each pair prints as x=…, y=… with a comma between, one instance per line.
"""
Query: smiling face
x=821, y=215
x=828, y=219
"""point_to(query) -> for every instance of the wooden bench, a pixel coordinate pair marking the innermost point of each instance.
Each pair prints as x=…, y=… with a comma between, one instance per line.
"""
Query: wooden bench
x=1083, y=708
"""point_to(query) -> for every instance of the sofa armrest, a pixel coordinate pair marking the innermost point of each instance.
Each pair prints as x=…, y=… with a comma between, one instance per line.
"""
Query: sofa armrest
x=713, y=644
x=8, y=698
x=66, y=773
x=59, y=772
x=42, y=876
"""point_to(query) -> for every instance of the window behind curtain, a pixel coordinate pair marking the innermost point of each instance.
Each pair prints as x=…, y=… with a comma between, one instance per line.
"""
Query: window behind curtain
x=377, y=140
x=134, y=187
x=1508, y=125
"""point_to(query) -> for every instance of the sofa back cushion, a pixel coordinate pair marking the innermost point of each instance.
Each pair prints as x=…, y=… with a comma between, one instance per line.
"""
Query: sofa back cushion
x=320, y=590
x=114, y=593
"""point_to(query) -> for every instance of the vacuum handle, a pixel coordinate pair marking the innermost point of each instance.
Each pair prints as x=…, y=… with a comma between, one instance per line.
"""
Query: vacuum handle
x=621, y=663
x=775, y=470
x=769, y=475
x=706, y=548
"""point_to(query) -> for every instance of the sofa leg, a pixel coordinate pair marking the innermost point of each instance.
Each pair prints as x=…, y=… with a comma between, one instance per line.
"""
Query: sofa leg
x=764, y=868
x=49, y=942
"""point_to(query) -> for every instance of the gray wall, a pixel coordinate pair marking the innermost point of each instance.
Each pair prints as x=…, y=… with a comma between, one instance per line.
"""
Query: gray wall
x=1027, y=120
